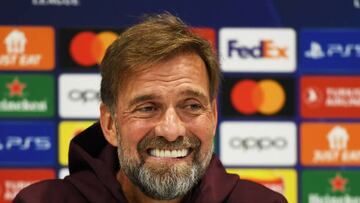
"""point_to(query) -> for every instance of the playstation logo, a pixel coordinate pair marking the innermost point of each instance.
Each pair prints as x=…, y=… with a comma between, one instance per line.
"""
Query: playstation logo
x=315, y=51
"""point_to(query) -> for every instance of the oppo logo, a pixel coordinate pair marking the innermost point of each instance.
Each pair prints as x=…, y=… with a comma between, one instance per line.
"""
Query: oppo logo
x=38, y=143
x=262, y=143
x=84, y=95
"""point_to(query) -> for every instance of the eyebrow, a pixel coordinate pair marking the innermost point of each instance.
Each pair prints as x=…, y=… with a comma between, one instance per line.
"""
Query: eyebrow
x=148, y=97
x=195, y=93
x=142, y=98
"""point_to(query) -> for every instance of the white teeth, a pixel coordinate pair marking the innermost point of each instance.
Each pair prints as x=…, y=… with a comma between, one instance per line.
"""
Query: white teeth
x=157, y=152
x=174, y=153
x=169, y=153
x=162, y=153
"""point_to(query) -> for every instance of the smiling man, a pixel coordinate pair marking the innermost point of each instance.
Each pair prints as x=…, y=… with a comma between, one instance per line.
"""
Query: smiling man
x=154, y=141
x=163, y=124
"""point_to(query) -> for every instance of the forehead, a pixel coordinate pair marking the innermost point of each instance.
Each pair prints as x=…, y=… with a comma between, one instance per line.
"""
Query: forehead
x=185, y=70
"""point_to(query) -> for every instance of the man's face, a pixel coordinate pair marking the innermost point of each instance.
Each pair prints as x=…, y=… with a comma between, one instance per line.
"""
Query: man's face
x=165, y=124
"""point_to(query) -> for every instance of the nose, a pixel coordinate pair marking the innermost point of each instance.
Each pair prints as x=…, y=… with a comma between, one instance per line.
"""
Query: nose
x=170, y=126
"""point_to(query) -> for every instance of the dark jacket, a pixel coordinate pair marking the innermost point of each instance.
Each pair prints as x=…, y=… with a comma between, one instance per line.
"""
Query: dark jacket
x=93, y=164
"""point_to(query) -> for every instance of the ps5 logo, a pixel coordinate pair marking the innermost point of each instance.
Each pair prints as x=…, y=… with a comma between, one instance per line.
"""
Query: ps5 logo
x=37, y=143
x=316, y=51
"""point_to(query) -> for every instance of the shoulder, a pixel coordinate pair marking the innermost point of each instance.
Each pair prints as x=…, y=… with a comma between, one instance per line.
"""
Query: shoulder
x=49, y=191
x=251, y=192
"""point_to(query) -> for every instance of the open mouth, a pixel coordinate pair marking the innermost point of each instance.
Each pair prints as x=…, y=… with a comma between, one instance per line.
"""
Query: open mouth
x=164, y=153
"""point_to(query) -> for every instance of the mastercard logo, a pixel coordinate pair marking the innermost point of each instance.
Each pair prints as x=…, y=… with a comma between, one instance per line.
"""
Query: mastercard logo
x=264, y=96
x=88, y=48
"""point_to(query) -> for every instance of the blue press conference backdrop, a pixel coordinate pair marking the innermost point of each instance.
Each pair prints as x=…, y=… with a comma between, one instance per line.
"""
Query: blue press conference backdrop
x=302, y=56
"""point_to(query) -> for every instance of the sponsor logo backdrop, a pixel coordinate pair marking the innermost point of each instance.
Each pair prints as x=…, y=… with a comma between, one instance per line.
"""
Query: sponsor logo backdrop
x=288, y=105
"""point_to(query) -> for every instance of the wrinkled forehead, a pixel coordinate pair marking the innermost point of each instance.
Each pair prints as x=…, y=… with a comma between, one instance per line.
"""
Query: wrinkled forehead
x=188, y=65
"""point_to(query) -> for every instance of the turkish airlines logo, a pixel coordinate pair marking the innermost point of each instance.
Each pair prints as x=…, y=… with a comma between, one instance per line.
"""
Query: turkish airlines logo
x=257, y=50
x=84, y=48
x=23, y=50
x=79, y=95
x=329, y=96
x=14, y=180
x=313, y=97
x=13, y=187
x=258, y=97
x=336, y=144
x=257, y=143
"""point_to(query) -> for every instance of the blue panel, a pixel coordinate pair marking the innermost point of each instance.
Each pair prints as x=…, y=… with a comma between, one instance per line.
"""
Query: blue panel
x=120, y=13
x=330, y=50
x=25, y=143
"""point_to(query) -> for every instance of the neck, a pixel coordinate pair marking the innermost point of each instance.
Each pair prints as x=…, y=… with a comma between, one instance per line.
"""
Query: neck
x=134, y=195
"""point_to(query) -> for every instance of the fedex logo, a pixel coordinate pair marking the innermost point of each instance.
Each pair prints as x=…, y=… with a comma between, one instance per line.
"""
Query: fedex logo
x=37, y=143
x=257, y=50
x=265, y=49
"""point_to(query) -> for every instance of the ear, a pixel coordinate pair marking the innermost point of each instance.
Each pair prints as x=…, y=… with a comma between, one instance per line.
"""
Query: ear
x=107, y=123
x=215, y=113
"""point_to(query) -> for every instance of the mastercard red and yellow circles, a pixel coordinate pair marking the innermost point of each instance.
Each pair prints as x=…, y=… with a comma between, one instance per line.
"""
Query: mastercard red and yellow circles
x=265, y=96
x=88, y=48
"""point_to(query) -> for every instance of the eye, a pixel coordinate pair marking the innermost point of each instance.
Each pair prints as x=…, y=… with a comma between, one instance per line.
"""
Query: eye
x=147, y=109
x=193, y=107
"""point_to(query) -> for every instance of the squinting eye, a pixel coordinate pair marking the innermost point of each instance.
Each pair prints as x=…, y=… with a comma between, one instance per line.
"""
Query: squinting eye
x=195, y=107
x=147, y=109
